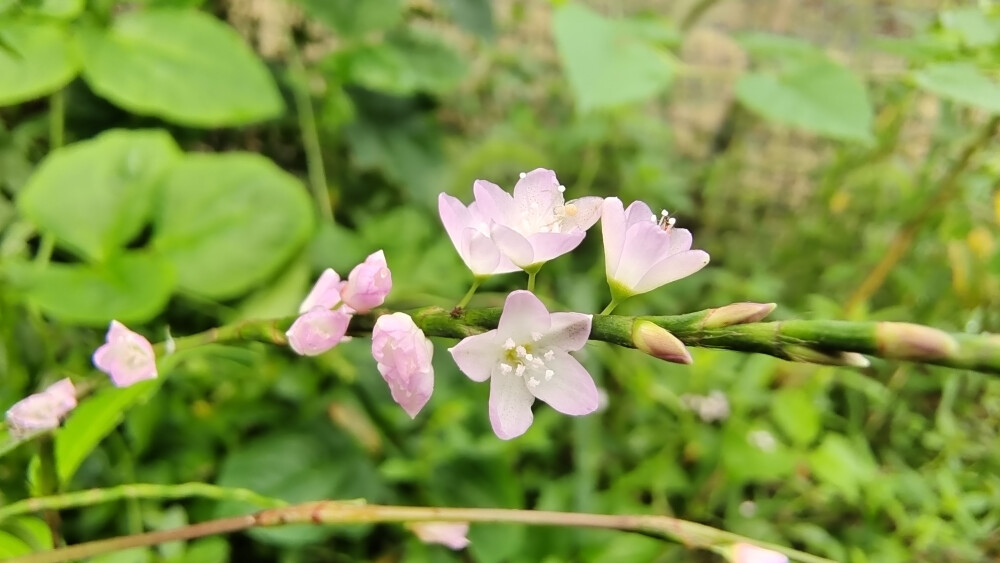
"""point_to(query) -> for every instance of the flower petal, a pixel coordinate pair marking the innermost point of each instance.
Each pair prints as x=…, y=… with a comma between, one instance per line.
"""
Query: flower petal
x=451, y=534
x=569, y=331
x=477, y=355
x=570, y=390
x=613, y=232
x=645, y=244
x=368, y=284
x=325, y=292
x=523, y=314
x=513, y=245
x=480, y=253
x=493, y=203
x=318, y=330
x=546, y=246
x=126, y=356
x=639, y=212
x=588, y=211
x=537, y=190
x=510, y=405
x=455, y=216
x=680, y=240
x=403, y=356
x=671, y=269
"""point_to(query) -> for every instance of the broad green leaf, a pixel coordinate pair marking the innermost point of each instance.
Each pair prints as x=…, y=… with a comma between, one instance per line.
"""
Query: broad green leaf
x=842, y=464
x=751, y=453
x=230, y=221
x=817, y=96
x=30, y=529
x=794, y=411
x=404, y=64
x=606, y=64
x=181, y=65
x=279, y=297
x=62, y=9
x=975, y=27
x=95, y=196
x=962, y=83
x=92, y=421
x=355, y=19
x=783, y=47
x=12, y=546
x=132, y=288
x=37, y=59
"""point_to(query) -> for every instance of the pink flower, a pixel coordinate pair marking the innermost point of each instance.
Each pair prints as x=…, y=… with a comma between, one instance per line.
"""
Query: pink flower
x=469, y=231
x=403, y=355
x=451, y=534
x=126, y=356
x=43, y=410
x=526, y=357
x=535, y=225
x=325, y=293
x=748, y=553
x=318, y=330
x=641, y=252
x=368, y=284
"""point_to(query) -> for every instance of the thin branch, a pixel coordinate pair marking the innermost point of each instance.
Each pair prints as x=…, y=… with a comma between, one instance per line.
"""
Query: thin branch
x=690, y=534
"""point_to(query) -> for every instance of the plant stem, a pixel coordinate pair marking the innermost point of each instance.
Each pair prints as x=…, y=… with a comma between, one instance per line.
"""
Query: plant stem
x=611, y=307
x=48, y=484
x=531, y=280
x=468, y=295
x=310, y=135
x=947, y=190
x=690, y=534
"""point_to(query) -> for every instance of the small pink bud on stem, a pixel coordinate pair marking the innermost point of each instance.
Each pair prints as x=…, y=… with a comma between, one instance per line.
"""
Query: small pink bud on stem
x=659, y=342
x=737, y=314
x=824, y=357
x=907, y=341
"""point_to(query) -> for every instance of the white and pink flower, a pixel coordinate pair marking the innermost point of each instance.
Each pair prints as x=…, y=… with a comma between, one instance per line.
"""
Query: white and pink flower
x=450, y=534
x=527, y=357
x=126, y=356
x=368, y=284
x=41, y=411
x=404, y=355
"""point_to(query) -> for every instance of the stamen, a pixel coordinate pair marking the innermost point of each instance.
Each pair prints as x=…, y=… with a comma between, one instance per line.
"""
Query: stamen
x=562, y=188
x=536, y=336
x=549, y=356
x=508, y=344
x=570, y=210
x=529, y=357
x=520, y=351
x=521, y=175
x=519, y=370
x=505, y=368
x=548, y=374
x=652, y=217
x=533, y=382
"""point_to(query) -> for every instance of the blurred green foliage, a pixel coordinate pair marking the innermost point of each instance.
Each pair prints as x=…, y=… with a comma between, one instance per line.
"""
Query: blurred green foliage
x=154, y=166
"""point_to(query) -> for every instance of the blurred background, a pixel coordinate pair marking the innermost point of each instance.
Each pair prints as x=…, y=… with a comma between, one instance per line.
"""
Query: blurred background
x=188, y=163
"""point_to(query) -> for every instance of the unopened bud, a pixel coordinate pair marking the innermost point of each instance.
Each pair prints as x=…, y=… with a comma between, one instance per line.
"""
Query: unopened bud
x=737, y=314
x=824, y=357
x=657, y=341
x=908, y=341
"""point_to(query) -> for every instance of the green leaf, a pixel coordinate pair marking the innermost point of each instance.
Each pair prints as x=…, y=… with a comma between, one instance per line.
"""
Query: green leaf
x=843, y=465
x=817, y=96
x=744, y=460
x=92, y=421
x=474, y=16
x=230, y=221
x=404, y=64
x=605, y=63
x=31, y=530
x=132, y=288
x=61, y=9
x=95, y=196
x=355, y=19
x=12, y=546
x=962, y=83
x=782, y=47
x=37, y=59
x=181, y=65
x=796, y=414
x=973, y=25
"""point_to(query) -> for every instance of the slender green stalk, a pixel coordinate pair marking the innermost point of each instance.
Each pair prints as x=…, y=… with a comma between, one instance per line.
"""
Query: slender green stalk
x=136, y=491
x=690, y=534
x=310, y=135
x=611, y=307
x=531, y=280
x=45, y=247
x=472, y=291
x=48, y=484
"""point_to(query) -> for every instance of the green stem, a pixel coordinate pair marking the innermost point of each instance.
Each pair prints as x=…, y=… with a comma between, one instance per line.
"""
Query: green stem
x=45, y=247
x=690, y=534
x=611, y=307
x=136, y=491
x=531, y=280
x=468, y=295
x=48, y=484
x=310, y=135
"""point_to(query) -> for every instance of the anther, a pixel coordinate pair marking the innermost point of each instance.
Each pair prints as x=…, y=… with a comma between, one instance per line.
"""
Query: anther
x=508, y=344
x=521, y=175
x=519, y=370
x=548, y=374
x=562, y=188
x=536, y=336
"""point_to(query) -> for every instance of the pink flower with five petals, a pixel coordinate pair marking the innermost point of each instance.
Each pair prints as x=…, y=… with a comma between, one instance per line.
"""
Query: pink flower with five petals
x=43, y=410
x=126, y=356
x=403, y=355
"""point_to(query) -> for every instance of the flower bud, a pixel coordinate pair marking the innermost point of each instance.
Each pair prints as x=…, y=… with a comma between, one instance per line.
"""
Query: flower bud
x=828, y=358
x=126, y=356
x=318, y=330
x=749, y=553
x=657, y=341
x=403, y=355
x=368, y=284
x=908, y=341
x=450, y=534
x=43, y=410
x=737, y=314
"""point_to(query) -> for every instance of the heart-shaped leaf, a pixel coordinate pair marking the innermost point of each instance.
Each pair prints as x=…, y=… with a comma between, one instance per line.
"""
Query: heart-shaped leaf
x=36, y=58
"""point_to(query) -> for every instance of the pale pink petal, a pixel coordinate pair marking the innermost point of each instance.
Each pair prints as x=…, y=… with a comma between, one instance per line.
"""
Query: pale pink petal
x=680, y=240
x=569, y=331
x=613, y=232
x=645, y=243
x=513, y=245
x=510, y=405
x=748, y=553
x=480, y=254
x=449, y=534
x=325, y=292
x=403, y=356
x=477, y=355
x=368, y=284
x=455, y=216
x=546, y=246
x=671, y=269
x=566, y=386
x=318, y=330
x=586, y=212
x=127, y=357
x=43, y=410
x=523, y=315
x=494, y=203
x=537, y=190
x=639, y=212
